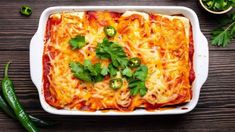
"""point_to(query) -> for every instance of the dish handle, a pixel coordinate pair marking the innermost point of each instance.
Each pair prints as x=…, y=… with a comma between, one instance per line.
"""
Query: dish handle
x=35, y=54
x=204, y=59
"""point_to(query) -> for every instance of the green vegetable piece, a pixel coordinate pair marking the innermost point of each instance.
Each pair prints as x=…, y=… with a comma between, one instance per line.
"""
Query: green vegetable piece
x=137, y=86
x=134, y=62
x=143, y=91
x=127, y=72
x=113, y=51
x=87, y=72
x=104, y=71
x=79, y=72
x=141, y=73
x=110, y=31
x=77, y=42
x=88, y=65
x=112, y=70
x=116, y=83
x=220, y=37
x=99, y=77
x=223, y=35
x=26, y=10
x=38, y=122
x=13, y=101
x=6, y=108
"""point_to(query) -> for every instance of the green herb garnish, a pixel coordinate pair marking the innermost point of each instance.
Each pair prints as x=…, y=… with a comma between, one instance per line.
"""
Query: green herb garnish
x=104, y=71
x=87, y=72
x=218, y=5
x=222, y=36
x=137, y=82
x=127, y=72
x=113, y=51
x=141, y=73
x=77, y=42
x=112, y=70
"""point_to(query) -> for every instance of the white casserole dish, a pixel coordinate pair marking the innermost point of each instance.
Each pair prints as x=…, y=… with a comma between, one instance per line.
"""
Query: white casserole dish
x=200, y=59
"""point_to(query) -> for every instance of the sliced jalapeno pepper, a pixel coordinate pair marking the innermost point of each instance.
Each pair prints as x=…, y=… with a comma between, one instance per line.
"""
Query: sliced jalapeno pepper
x=110, y=31
x=116, y=83
x=26, y=10
x=134, y=62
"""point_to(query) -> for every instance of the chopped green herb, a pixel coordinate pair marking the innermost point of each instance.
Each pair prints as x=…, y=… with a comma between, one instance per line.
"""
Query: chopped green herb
x=218, y=5
x=113, y=51
x=104, y=71
x=79, y=72
x=77, y=42
x=141, y=73
x=112, y=70
x=87, y=72
x=137, y=82
x=127, y=72
x=222, y=36
x=137, y=86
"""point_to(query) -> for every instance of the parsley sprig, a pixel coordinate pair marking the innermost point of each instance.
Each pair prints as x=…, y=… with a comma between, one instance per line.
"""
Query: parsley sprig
x=77, y=42
x=88, y=72
x=137, y=82
x=222, y=36
x=113, y=51
x=218, y=5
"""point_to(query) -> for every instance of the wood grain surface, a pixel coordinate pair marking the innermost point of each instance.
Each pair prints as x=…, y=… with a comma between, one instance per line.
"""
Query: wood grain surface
x=214, y=112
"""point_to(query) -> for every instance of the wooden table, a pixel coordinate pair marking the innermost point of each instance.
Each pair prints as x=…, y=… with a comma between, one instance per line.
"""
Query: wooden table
x=214, y=112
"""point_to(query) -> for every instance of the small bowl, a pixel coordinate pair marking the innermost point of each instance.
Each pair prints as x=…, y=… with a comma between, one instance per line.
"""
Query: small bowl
x=215, y=12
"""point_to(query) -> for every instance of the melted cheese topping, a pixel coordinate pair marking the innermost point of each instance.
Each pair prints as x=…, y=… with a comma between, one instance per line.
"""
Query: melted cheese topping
x=161, y=41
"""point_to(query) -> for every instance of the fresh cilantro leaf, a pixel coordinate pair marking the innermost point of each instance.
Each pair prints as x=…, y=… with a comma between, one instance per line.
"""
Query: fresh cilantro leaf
x=104, y=71
x=88, y=66
x=87, y=72
x=232, y=31
x=218, y=5
x=112, y=70
x=79, y=72
x=76, y=67
x=222, y=36
x=143, y=91
x=99, y=77
x=113, y=51
x=137, y=86
x=141, y=73
x=77, y=42
x=127, y=72
x=137, y=82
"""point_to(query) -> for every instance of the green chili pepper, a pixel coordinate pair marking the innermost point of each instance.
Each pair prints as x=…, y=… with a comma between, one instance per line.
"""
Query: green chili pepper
x=5, y=108
x=38, y=122
x=110, y=31
x=13, y=101
x=116, y=83
x=134, y=62
x=26, y=10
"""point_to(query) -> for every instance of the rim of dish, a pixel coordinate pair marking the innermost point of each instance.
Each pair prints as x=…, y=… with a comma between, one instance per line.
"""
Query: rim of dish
x=215, y=12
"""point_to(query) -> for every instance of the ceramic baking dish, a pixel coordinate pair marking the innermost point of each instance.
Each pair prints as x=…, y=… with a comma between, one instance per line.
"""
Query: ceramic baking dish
x=200, y=59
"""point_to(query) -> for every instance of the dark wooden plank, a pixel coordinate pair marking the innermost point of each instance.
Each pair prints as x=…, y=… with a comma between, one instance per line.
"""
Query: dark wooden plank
x=220, y=119
x=21, y=29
